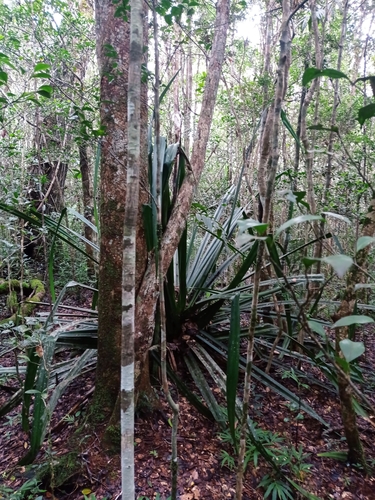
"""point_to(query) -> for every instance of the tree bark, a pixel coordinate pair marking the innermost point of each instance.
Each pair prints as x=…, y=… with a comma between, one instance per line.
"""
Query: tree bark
x=113, y=47
x=129, y=249
x=188, y=58
x=87, y=205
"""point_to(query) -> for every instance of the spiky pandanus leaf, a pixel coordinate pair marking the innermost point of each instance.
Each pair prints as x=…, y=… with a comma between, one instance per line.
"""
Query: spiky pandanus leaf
x=38, y=379
x=259, y=375
x=233, y=365
x=205, y=390
x=66, y=234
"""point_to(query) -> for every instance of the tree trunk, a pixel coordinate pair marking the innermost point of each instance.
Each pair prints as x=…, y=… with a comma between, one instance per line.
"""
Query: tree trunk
x=348, y=415
x=87, y=205
x=148, y=294
x=188, y=93
x=332, y=135
x=111, y=32
x=113, y=59
x=129, y=249
x=309, y=146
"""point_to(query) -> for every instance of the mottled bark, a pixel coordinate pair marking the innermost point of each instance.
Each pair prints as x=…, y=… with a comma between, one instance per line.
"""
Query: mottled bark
x=309, y=152
x=113, y=59
x=266, y=126
x=281, y=86
x=188, y=93
x=113, y=68
x=309, y=145
x=129, y=249
x=177, y=121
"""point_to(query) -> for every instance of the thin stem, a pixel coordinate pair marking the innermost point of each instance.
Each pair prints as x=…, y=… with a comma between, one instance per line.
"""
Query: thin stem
x=160, y=274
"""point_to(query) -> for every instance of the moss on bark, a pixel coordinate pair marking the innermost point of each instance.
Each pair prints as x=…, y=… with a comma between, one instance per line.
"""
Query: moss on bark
x=36, y=291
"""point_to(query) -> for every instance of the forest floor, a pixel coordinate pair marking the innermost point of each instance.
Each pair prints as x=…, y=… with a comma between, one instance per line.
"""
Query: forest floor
x=201, y=473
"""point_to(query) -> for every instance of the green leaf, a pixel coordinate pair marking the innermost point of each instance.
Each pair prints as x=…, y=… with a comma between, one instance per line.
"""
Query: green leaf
x=3, y=77
x=176, y=11
x=38, y=220
x=167, y=87
x=31, y=370
x=45, y=90
x=245, y=224
x=337, y=216
x=340, y=263
x=41, y=75
x=296, y=220
x=353, y=319
x=342, y=456
x=317, y=328
x=39, y=409
x=366, y=113
x=41, y=67
x=363, y=241
x=351, y=350
x=51, y=257
x=308, y=261
x=44, y=93
x=5, y=60
x=311, y=73
x=200, y=380
x=289, y=128
x=233, y=365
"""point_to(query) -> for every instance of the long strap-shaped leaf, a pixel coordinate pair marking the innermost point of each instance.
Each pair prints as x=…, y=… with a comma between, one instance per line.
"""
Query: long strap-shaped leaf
x=219, y=378
x=205, y=389
x=39, y=220
x=31, y=371
x=38, y=427
x=233, y=366
x=262, y=377
x=205, y=317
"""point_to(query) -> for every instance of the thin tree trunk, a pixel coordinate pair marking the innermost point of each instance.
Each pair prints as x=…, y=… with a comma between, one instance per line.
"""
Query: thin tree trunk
x=267, y=118
x=348, y=414
x=160, y=275
x=87, y=205
x=188, y=93
x=274, y=148
x=148, y=294
x=129, y=249
x=309, y=146
x=177, y=122
x=332, y=135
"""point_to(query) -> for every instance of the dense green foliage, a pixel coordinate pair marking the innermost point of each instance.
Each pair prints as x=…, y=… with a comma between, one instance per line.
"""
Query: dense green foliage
x=319, y=235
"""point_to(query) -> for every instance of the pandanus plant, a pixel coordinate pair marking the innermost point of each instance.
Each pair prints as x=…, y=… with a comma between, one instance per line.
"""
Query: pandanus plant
x=208, y=295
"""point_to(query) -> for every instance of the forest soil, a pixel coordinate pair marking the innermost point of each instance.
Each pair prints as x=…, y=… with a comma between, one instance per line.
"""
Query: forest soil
x=201, y=473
